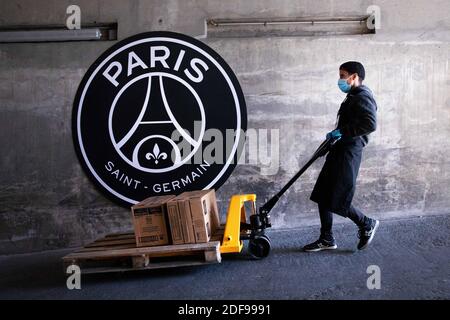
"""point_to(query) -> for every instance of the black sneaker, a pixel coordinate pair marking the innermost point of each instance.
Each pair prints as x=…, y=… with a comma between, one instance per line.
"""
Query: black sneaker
x=366, y=235
x=320, y=245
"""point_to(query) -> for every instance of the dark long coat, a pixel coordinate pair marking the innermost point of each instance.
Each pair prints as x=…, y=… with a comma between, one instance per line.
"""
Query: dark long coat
x=335, y=185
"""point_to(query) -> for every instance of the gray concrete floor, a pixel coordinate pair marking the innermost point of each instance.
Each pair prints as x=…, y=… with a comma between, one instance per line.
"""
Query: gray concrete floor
x=413, y=255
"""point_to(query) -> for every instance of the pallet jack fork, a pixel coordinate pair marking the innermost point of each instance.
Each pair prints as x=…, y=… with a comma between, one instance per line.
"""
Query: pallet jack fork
x=239, y=228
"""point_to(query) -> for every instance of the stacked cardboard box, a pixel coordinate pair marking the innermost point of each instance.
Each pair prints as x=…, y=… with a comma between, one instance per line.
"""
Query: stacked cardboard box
x=180, y=220
x=192, y=216
x=150, y=221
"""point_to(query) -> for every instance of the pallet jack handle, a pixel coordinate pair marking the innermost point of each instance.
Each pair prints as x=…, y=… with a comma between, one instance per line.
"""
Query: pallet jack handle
x=267, y=207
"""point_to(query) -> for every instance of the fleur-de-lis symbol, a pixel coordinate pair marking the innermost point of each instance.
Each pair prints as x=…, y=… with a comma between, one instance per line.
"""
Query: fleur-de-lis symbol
x=156, y=154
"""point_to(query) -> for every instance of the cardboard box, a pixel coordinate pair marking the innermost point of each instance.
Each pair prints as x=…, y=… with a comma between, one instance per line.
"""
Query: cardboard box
x=180, y=220
x=150, y=221
x=203, y=211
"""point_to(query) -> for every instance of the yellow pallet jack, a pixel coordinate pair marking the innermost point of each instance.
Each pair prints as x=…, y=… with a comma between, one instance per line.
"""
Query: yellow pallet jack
x=239, y=228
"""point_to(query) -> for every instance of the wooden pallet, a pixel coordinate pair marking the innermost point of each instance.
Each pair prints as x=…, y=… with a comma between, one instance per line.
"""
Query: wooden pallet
x=118, y=252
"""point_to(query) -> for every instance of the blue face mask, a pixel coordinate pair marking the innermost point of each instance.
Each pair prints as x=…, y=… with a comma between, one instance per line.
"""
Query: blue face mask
x=344, y=86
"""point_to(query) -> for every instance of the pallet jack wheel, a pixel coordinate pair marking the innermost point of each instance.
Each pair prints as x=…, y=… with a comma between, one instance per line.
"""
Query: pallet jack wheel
x=259, y=247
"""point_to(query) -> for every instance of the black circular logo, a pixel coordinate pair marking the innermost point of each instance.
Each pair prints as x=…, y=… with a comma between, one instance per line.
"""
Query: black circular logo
x=158, y=113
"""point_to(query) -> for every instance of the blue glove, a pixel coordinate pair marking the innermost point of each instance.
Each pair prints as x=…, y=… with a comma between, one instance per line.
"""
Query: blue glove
x=335, y=134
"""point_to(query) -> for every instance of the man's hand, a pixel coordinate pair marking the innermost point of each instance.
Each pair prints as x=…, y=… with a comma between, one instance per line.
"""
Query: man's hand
x=335, y=134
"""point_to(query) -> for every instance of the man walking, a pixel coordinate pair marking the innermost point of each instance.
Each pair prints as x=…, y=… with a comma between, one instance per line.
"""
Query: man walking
x=335, y=185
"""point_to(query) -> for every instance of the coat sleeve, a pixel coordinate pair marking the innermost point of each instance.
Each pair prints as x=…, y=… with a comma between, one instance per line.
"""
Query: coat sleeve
x=364, y=120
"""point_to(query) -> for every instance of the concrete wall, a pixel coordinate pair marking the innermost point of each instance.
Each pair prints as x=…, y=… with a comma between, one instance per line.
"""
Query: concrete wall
x=289, y=83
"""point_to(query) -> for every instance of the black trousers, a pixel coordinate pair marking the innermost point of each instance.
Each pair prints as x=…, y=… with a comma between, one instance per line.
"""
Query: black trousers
x=326, y=220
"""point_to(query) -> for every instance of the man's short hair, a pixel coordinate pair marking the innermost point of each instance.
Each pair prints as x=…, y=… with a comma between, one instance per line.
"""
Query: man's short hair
x=354, y=67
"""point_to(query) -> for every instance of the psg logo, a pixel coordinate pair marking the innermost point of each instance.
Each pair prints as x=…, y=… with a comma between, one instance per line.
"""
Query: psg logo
x=158, y=113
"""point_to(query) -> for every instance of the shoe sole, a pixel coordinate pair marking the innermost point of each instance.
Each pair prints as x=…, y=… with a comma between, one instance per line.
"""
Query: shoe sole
x=320, y=249
x=377, y=223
